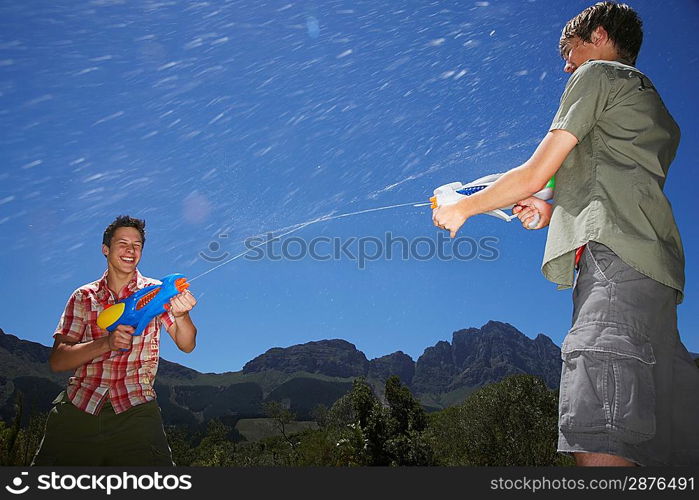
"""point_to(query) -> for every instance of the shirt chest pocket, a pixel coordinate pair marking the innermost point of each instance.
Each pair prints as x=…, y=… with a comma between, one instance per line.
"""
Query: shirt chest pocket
x=92, y=331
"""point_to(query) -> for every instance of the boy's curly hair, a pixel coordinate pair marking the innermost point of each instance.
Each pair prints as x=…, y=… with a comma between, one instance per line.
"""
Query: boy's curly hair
x=124, y=221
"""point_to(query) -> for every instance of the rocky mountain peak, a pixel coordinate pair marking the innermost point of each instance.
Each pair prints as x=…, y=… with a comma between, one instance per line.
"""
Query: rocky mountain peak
x=335, y=358
x=478, y=356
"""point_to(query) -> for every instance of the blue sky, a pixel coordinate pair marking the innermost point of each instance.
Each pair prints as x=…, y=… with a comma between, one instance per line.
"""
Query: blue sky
x=217, y=121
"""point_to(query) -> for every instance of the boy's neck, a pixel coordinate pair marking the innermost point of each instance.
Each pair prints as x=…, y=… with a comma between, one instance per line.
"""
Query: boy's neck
x=608, y=52
x=117, y=280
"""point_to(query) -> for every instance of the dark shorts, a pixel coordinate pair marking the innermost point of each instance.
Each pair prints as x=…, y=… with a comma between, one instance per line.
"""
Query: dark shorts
x=74, y=437
x=628, y=386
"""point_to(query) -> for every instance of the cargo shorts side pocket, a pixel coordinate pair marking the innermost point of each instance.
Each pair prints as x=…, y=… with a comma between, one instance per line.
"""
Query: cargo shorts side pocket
x=608, y=266
x=607, y=383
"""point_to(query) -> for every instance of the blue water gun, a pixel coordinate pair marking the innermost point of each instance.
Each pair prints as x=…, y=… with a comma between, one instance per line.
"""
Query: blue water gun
x=453, y=192
x=139, y=308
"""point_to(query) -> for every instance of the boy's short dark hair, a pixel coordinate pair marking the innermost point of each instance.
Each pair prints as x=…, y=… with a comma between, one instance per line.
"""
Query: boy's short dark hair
x=124, y=221
x=622, y=24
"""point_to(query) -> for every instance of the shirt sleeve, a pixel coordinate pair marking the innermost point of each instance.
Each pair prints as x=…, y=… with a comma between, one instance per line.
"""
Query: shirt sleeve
x=167, y=319
x=72, y=323
x=584, y=100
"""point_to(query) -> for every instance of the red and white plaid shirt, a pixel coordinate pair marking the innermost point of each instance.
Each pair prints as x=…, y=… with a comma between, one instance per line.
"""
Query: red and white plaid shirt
x=126, y=378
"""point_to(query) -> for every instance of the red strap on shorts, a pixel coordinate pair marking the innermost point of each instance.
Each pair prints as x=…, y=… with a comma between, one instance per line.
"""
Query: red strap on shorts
x=578, y=254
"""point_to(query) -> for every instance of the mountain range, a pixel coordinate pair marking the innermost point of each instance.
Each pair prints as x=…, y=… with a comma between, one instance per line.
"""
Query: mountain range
x=302, y=376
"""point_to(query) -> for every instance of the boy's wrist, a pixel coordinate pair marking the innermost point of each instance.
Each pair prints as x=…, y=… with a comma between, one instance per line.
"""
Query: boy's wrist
x=107, y=344
x=465, y=208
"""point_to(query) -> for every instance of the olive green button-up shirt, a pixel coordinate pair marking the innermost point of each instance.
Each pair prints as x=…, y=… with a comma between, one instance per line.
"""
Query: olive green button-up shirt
x=610, y=187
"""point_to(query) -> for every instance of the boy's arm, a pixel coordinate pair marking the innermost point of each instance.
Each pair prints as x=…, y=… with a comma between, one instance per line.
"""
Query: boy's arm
x=67, y=354
x=583, y=102
x=515, y=185
x=182, y=330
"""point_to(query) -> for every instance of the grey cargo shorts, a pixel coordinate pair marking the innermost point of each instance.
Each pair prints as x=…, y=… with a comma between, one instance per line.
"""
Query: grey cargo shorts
x=628, y=385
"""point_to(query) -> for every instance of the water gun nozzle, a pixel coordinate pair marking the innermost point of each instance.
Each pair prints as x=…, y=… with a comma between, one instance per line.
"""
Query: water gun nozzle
x=181, y=284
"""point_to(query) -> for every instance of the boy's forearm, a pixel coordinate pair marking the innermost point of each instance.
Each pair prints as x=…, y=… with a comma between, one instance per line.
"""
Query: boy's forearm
x=184, y=333
x=67, y=356
x=525, y=180
x=515, y=185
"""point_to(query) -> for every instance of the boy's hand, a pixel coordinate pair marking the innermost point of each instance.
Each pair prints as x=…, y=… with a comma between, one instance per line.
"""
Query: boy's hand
x=121, y=338
x=449, y=217
x=182, y=303
x=527, y=209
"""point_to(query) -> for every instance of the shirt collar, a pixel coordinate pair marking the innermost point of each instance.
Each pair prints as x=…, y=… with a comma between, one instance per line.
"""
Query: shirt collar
x=136, y=283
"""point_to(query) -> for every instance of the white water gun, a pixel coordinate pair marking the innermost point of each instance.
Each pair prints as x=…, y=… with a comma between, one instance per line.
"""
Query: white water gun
x=453, y=192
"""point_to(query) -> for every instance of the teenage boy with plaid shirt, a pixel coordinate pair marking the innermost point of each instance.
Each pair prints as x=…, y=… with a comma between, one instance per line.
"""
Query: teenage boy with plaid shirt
x=108, y=415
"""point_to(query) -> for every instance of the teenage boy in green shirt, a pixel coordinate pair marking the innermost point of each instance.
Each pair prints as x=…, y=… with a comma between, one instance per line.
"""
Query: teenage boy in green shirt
x=629, y=389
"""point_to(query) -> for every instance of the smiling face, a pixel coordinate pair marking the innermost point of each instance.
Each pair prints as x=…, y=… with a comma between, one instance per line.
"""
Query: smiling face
x=124, y=252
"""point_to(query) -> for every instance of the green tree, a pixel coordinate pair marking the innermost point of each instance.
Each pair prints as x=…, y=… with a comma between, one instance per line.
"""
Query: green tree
x=180, y=442
x=282, y=417
x=283, y=451
x=405, y=411
x=357, y=426
x=9, y=435
x=407, y=443
x=5, y=443
x=215, y=449
x=319, y=413
x=18, y=445
x=371, y=423
x=316, y=448
x=512, y=422
x=363, y=402
x=368, y=433
x=30, y=438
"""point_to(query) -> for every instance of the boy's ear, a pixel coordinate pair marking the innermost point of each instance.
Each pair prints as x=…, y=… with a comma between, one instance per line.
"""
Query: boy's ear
x=599, y=35
x=105, y=250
